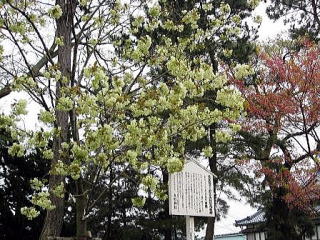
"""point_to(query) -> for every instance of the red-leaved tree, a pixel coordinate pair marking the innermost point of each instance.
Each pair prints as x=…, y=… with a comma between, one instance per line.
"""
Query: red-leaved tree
x=281, y=135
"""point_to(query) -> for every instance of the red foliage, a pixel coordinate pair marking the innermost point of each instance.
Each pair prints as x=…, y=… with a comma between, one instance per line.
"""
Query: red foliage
x=283, y=106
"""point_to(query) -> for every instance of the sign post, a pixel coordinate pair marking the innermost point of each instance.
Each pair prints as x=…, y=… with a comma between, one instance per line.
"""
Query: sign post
x=191, y=193
x=190, y=228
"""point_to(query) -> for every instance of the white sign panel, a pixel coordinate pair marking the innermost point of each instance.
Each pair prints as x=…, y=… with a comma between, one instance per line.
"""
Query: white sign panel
x=191, y=191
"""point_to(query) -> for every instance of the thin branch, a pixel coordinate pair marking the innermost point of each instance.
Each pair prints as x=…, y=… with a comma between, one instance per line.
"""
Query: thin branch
x=36, y=30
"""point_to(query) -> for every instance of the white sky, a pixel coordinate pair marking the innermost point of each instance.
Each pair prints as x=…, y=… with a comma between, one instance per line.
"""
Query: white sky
x=269, y=29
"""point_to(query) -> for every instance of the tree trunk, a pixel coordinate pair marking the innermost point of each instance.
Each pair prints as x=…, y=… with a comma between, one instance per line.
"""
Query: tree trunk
x=110, y=204
x=210, y=228
x=167, y=230
x=54, y=218
x=81, y=205
x=213, y=168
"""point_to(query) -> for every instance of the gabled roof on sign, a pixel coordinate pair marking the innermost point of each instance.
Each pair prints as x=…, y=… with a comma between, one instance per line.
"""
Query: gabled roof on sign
x=202, y=167
x=258, y=217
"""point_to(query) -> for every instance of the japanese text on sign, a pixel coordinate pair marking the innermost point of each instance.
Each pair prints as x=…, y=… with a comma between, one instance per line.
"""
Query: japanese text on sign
x=191, y=191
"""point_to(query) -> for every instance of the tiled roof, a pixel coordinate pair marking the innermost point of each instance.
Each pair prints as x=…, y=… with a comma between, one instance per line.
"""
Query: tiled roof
x=230, y=236
x=258, y=217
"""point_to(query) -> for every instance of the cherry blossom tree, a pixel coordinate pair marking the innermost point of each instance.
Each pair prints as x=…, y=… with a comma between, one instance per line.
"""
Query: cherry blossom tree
x=102, y=109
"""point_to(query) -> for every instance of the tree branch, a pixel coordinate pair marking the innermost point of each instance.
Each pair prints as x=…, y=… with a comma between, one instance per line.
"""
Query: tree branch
x=5, y=91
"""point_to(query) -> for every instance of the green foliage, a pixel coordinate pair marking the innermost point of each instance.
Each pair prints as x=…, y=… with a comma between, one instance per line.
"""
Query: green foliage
x=143, y=87
x=17, y=172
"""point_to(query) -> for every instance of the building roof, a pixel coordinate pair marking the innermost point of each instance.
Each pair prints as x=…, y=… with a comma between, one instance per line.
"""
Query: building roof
x=258, y=217
x=230, y=236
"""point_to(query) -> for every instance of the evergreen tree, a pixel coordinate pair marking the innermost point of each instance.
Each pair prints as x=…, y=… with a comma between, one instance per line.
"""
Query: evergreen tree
x=215, y=48
x=106, y=112
x=301, y=15
x=15, y=189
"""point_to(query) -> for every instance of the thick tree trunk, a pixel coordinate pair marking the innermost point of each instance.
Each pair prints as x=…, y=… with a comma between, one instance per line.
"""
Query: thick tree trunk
x=54, y=218
x=81, y=205
x=210, y=228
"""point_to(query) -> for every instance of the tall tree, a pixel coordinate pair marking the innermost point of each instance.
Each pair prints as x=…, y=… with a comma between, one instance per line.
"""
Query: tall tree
x=281, y=132
x=65, y=22
x=106, y=112
x=227, y=38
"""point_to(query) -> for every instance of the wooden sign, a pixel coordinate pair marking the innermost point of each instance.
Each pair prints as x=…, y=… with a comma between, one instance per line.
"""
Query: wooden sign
x=191, y=191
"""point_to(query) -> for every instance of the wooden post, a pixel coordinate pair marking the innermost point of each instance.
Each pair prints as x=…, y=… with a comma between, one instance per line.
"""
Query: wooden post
x=190, y=227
